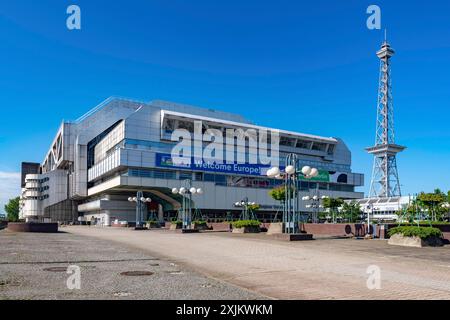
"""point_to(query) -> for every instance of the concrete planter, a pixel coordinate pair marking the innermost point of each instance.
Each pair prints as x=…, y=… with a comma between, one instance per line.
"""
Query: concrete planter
x=201, y=227
x=33, y=227
x=247, y=230
x=153, y=225
x=176, y=226
x=400, y=240
x=275, y=228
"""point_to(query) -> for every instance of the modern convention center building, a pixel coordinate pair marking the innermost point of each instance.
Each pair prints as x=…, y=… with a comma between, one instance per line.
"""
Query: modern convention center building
x=96, y=163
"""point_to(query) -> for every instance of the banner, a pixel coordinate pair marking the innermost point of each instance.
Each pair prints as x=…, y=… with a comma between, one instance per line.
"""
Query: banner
x=164, y=160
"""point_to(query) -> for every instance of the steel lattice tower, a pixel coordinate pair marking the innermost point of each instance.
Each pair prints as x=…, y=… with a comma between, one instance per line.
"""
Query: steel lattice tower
x=385, y=181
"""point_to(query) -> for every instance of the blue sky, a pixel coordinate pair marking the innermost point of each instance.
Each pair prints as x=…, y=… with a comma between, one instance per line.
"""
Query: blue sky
x=308, y=66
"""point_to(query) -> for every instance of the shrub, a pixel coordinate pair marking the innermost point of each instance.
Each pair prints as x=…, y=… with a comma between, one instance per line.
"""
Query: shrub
x=200, y=222
x=246, y=223
x=421, y=232
x=426, y=223
x=176, y=222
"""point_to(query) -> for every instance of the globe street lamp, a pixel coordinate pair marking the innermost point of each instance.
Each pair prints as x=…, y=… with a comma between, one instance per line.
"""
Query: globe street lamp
x=245, y=204
x=315, y=205
x=291, y=176
x=141, y=207
x=187, y=192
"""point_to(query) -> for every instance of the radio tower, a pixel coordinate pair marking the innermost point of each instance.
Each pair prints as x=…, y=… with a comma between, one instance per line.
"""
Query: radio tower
x=385, y=182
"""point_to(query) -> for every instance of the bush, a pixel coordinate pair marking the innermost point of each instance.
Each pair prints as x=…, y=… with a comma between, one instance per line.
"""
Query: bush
x=421, y=232
x=199, y=222
x=246, y=223
x=426, y=223
x=176, y=222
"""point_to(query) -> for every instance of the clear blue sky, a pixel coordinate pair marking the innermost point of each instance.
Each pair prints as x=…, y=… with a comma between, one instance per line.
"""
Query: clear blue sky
x=308, y=66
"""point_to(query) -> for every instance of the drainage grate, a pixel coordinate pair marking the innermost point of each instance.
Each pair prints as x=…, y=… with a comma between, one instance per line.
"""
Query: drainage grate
x=136, y=273
x=9, y=283
x=56, y=269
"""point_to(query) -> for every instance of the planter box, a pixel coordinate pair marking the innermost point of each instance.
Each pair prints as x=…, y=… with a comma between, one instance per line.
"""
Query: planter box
x=247, y=230
x=200, y=227
x=153, y=225
x=275, y=228
x=400, y=240
x=174, y=226
x=33, y=227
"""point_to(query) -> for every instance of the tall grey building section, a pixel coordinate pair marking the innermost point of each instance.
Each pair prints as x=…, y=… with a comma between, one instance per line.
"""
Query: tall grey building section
x=123, y=146
x=385, y=181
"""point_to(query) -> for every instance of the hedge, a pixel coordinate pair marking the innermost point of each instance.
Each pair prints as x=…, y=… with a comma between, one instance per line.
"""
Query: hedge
x=246, y=223
x=421, y=232
x=200, y=222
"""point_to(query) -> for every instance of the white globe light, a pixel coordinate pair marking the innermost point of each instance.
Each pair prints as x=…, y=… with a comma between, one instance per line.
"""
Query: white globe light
x=134, y=199
x=308, y=206
x=183, y=190
x=130, y=199
x=148, y=200
x=237, y=204
x=316, y=198
x=279, y=177
x=272, y=173
x=175, y=191
x=193, y=190
x=290, y=170
x=199, y=191
x=314, y=173
x=306, y=170
x=324, y=197
x=253, y=203
x=142, y=199
x=307, y=198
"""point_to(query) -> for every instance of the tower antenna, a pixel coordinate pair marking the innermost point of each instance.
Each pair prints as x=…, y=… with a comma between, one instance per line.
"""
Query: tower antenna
x=385, y=182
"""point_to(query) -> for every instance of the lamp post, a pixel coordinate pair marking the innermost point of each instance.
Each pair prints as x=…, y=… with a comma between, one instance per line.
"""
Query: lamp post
x=371, y=208
x=315, y=205
x=245, y=204
x=141, y=202
x=291, y=176
x=187, y=191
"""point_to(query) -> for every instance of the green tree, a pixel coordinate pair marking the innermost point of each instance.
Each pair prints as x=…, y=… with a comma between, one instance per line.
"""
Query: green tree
x=332, y=204
x=433, y=203
x=279, y=194
x=12, y=210
x=351, y=211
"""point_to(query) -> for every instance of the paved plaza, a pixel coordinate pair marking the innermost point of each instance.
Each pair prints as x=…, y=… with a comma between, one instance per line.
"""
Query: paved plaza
x=213, y=264
x=34, y=266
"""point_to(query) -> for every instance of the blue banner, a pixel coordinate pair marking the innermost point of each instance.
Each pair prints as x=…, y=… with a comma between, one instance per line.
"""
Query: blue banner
x=164, y=160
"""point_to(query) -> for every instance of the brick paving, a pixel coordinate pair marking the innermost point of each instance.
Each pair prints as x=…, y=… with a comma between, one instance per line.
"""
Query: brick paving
x=321, y=269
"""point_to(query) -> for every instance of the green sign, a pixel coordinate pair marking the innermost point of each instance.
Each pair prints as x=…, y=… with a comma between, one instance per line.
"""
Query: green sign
x=324, y=176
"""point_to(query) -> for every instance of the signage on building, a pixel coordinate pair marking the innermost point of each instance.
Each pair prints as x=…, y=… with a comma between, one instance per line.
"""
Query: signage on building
x=164, y=160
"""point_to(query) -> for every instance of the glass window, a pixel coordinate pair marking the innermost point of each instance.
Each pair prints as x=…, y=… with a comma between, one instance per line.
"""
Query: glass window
x=185, y=175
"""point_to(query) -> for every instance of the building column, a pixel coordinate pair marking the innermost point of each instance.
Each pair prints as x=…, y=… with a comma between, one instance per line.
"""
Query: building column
x=107, y=221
